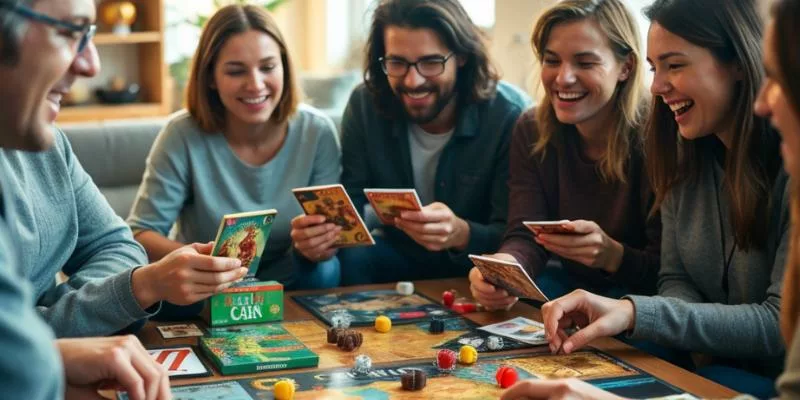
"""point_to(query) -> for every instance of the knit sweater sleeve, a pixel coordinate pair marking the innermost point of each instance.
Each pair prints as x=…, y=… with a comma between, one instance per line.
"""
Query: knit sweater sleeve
x=98, y=298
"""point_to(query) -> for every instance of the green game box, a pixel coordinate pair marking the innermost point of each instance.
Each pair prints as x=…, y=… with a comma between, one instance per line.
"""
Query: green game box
x=256, y=348
x=247, y=302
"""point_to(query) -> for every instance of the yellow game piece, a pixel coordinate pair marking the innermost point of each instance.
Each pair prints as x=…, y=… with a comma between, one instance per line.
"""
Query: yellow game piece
x=383, y=324
x=467, y=355
x=283, y=390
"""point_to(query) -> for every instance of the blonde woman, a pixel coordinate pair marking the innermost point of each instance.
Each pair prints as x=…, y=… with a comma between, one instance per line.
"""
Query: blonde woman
x=578, y=156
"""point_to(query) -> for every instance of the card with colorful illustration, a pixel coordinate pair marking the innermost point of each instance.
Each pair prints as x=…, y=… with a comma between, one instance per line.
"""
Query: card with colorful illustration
x=228, y=390
x=244, y=236
x=180, y=361
x=520, y=329
x=509, y=276
x=334, y=203
x=559, y=227
x=179, y=331
x=389, y=203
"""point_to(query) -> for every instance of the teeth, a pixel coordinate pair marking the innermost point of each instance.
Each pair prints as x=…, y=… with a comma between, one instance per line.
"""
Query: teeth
x=55, y=97
x=255, y=100
x=570, y=95
x=417, y=95
x=677, y=106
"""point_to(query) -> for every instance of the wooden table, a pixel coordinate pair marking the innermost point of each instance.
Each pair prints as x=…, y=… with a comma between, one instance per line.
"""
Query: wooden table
x=292, y=312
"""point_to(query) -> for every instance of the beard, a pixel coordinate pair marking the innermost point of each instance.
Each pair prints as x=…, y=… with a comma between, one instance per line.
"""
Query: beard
x=421, y=116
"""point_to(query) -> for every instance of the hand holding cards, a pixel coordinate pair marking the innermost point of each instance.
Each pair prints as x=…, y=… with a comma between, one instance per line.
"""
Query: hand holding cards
x=244, y=236
x=389, y=203
x=333, y=202
x=509, y=276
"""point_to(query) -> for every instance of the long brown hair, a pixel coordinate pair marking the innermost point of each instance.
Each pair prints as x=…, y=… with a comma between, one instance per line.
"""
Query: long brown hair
x=732, y=32
x=477, y=78
x=202, y=100
x=619, y=26
x=786, y=28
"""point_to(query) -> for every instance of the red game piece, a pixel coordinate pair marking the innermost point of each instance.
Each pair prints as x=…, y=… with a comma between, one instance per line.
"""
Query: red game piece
x=463, y=308
x=446, y=360
x=506, y=376
x=448, y=297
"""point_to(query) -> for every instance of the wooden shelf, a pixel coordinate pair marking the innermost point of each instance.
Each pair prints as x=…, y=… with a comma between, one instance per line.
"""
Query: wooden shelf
x=110, y=111
x=132, y=38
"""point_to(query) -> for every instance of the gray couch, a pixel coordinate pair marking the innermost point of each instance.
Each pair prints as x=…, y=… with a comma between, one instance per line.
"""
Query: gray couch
x=114, y=153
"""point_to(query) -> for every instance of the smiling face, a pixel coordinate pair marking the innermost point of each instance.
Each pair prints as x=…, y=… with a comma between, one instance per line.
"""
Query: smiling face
x=697, y=87
x=425, y=100
x=32, y=88
x=248, y=76
x=774, y=103
x=580, y=72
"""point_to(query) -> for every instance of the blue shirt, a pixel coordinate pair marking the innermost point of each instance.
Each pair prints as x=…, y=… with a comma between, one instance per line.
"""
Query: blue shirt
x=194, y=178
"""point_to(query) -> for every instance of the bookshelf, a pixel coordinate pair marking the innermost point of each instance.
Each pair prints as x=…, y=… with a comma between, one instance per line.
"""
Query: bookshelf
x=145, y=45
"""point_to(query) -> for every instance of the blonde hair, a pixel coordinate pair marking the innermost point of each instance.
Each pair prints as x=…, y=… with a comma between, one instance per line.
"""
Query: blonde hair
x=619, y=26
x=202, y=100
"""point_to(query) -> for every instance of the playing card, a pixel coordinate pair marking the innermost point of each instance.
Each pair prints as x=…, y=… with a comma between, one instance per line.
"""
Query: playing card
x=179, y=331
x=509, y=276
x=388, y=203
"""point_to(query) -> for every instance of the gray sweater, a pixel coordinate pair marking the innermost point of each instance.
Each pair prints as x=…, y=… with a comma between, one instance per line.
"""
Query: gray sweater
x=692, y=311
x=63, y=223
x=30, y=366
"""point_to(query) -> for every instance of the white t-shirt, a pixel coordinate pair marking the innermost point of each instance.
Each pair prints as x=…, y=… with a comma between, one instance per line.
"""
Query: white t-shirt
x=426, y=149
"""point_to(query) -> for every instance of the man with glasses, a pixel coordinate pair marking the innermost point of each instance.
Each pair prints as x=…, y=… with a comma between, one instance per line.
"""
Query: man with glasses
x=432, y=115
x=39, y=47
x=64, y=224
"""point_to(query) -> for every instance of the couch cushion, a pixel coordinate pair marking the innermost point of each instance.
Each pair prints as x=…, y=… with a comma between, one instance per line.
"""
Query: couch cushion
x=113, y=153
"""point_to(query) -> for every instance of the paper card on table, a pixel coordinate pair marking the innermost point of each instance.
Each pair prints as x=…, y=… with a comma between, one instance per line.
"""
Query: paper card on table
x=244, y=236
x=333, y=202
x=181, y=362
x=388, y=203
x=520, y=329
x=179, y=331
x=509, y=276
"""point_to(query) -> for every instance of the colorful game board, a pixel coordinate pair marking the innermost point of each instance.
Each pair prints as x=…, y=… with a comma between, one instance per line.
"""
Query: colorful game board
x=473, y=382
x=364, y=307
x=418, y=343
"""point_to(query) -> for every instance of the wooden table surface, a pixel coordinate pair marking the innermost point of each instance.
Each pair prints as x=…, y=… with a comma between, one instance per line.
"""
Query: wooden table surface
x=679, y=377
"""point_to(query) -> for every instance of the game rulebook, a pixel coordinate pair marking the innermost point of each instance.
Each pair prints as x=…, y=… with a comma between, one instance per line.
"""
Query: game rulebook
x=256, y=348
x=333, y=202
x=244, y=236
x=388, y=203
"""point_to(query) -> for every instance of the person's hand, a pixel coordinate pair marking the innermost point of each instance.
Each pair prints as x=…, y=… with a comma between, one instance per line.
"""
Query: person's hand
x=119, y=362
x=490, y=296
x=435, y=227
x=313, y=238
x=556, y=389
x=588, y=245
x=185, y=276
x=594, y=316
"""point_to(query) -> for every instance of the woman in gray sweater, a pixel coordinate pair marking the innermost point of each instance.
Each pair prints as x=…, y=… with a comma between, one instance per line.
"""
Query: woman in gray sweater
x=715, y=170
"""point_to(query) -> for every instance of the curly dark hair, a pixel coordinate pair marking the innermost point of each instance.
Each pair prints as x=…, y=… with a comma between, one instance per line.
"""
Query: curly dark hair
x=477, y=78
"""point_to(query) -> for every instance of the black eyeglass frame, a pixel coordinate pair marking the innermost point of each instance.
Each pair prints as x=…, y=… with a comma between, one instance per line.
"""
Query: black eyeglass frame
x=415, y=64
x=87, y=30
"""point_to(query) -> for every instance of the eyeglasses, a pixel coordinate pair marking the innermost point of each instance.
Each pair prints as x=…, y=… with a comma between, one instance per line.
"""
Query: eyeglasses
x=427, y=67
x=82, y=33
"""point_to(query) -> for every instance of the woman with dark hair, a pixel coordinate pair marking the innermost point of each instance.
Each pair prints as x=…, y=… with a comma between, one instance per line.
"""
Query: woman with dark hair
x=244, y=144
x=715, y=170
x=578, y=156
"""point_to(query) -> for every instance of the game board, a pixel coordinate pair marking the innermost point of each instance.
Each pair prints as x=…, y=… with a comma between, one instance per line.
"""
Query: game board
x=382, y=347
x=363, y=307
x=472, y=382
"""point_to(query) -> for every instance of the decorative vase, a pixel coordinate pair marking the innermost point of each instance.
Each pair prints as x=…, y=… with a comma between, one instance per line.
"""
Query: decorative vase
x=118, y=14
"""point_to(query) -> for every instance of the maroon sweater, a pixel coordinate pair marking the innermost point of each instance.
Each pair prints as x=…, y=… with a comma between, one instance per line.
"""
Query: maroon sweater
x=567, y=185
